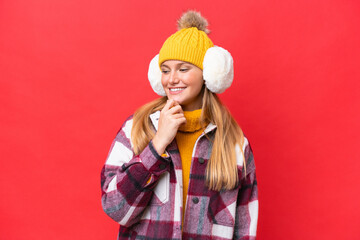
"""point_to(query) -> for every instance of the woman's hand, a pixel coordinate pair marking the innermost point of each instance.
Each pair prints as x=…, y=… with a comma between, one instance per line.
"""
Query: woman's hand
x=171, y=117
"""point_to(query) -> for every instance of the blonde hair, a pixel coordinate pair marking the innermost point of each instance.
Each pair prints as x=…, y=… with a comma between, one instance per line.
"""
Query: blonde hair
x=221, y=170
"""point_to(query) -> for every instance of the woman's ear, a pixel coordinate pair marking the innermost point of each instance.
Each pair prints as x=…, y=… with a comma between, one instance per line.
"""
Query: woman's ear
x=218, y=69
x=154, y=76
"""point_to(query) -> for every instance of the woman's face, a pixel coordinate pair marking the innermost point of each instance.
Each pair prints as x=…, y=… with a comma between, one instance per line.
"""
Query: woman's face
x=183, y=82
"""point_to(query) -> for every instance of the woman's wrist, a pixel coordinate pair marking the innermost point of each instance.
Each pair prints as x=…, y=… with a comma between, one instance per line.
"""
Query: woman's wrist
x=159, y=147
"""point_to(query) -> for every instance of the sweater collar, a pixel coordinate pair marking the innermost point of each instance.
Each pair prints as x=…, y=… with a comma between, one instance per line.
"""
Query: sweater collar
x=192, y=121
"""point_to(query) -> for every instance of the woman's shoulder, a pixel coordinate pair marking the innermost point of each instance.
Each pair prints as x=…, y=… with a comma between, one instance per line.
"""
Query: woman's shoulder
x=128, y=120
x=128, y=123
x=249, y=156
x=244, y=155
x=126, y=126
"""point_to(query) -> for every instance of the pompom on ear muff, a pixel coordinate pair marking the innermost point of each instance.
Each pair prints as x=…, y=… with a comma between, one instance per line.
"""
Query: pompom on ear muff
x=218, y=72
x=154, y=75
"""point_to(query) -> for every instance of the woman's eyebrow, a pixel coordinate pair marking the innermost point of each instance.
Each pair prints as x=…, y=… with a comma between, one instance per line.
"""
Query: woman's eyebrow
x=181, y=64
x=176, y=65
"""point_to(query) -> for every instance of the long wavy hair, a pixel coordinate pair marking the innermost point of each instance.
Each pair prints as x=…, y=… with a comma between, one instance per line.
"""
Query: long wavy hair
x=221, y=170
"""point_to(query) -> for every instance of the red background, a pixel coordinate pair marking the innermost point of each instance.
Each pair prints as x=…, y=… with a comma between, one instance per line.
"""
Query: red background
x=72, y=71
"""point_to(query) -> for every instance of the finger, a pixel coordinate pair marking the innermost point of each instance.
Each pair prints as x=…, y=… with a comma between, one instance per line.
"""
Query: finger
x=175, y=109
x=181, y=120
x=167, y=105
x=178, y=115
x=175, y=102
x=178, y=104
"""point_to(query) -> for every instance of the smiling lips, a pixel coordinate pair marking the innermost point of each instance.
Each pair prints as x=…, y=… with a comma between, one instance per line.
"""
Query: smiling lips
x=176, y=90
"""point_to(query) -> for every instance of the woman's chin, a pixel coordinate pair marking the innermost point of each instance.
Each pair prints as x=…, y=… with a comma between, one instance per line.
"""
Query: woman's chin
x=178, y=100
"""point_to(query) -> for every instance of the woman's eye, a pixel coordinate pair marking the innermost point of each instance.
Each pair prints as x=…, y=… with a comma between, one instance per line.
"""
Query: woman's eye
x=183, y=69
x=164, y=71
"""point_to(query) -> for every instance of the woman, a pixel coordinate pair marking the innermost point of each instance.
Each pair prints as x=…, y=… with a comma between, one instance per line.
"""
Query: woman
x=180, y=167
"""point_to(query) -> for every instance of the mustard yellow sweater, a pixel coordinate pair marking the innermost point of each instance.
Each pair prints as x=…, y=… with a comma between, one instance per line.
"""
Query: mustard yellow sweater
x=185, y=139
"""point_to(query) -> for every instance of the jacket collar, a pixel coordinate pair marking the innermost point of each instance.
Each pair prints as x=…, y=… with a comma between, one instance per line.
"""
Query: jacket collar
x=155, y=121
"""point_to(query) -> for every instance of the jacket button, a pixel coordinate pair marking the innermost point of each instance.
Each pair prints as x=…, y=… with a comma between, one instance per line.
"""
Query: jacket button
x=201, y=160
x=162, y=166
x=195, y=200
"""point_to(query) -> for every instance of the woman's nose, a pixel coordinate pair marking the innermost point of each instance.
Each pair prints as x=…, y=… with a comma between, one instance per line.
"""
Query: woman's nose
x=173, y=78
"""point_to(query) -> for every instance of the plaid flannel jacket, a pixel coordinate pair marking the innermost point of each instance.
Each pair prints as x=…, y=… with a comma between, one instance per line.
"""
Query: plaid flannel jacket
x=153, y=209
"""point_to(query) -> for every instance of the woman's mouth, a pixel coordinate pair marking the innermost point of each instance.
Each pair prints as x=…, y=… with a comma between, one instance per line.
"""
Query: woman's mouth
x=176, y=90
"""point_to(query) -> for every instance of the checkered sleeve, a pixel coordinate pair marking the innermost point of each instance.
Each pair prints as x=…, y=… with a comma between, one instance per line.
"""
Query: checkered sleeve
x=247, y=203
x=127, y=180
